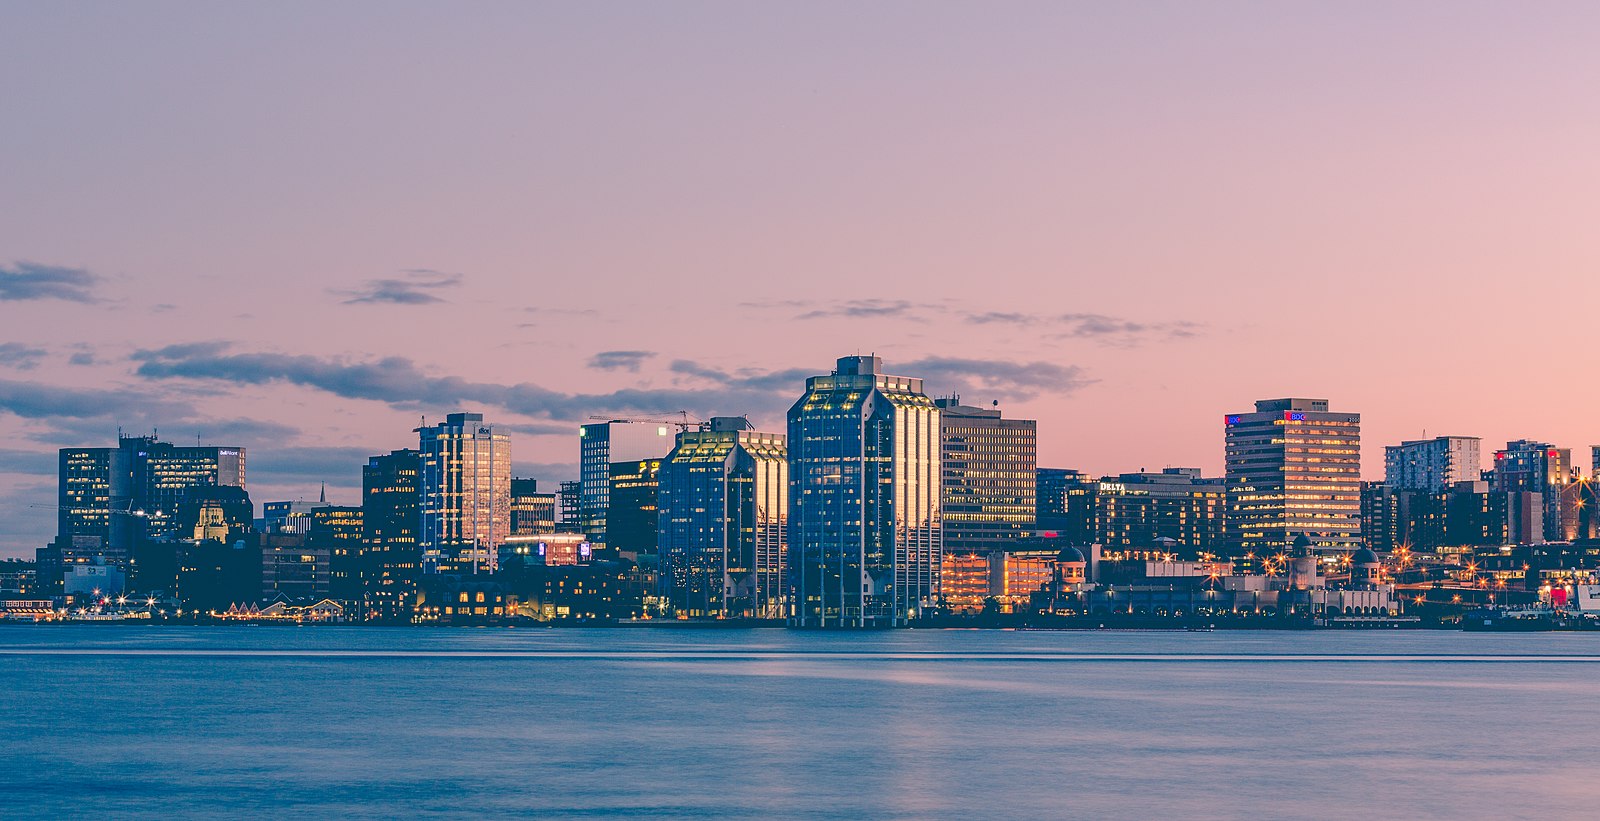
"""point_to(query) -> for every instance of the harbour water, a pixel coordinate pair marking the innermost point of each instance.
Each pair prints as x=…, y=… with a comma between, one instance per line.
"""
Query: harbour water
x=164, y=721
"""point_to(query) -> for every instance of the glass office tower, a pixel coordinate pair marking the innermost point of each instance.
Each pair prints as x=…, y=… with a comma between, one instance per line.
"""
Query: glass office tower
x=465, y=494
x=724, y=513
x=865, y=544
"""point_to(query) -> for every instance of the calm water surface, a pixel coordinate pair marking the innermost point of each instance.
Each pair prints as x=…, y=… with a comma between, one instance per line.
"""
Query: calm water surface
x=160, y=722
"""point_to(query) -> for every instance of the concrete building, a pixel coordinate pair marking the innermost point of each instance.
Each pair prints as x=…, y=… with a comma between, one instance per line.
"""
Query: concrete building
x=990, y=469
x=724, y=521
x=865, y=539
x=1293, y=467
x=1432, y=465
x=465, y=494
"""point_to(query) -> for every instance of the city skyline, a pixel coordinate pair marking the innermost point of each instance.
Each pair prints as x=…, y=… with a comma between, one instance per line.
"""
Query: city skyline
x=1104, y=218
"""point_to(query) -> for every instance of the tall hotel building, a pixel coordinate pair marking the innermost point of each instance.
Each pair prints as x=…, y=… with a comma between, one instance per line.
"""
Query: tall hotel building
x=724, y=513
x=465, y=494
x=990, y=470
x=1293, y=468
x=865, y=542
x=601, y=445
x=1432, y=465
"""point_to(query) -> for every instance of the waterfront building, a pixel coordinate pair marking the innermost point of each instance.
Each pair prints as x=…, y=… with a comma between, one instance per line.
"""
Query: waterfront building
x=391, y=559
x=989, y=474
x=1293, y=467
x=532, y=513
x=601, y=445
x=465, y=494
x=1006, y=580
x=724, y=518
x=1432, y=465
x=1543, y=469
x=865, y=540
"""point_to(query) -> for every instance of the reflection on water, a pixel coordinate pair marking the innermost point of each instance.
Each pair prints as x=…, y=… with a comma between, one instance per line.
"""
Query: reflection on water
x=283, y=722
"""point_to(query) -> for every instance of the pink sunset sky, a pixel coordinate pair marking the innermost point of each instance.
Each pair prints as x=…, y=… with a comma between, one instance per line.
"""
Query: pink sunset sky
x=300, y=227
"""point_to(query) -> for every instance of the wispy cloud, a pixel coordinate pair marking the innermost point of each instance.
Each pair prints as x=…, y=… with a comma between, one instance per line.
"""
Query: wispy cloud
x=620, y=360
x=20, y=356
x=865, y=309
x=29, y=281
x=418, y=286
x=1101, y=327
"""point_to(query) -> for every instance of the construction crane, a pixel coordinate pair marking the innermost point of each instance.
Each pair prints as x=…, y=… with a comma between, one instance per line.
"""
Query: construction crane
x=685, y=422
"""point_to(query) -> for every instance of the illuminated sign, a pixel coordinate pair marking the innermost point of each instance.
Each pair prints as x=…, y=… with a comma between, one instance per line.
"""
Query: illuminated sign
x=1233, y=420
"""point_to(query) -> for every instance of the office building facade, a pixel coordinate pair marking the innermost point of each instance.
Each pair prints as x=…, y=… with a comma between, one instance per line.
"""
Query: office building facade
x=391, y=558
x=465, y=494
x=989, y=474
x=865, y=540
x=1293, y=468
x=724, y=518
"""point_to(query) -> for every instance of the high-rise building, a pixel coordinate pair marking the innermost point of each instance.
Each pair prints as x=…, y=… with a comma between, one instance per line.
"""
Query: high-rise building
x=990, y=470
x=1293, y=468
x=109, y=498
x=1543, y=469
x=632, y=514
x=602, y=444
x=532, y=513
x=865, y=543
x=1432, y=465
x=724, y=516
x=465, y=494
x=391, y=559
